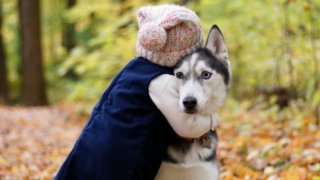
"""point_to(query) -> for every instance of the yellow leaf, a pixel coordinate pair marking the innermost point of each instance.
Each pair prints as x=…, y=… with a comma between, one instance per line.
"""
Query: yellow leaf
x=3, y=161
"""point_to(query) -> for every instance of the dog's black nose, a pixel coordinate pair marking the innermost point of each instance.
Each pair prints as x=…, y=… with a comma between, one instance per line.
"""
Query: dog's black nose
x=189, y=102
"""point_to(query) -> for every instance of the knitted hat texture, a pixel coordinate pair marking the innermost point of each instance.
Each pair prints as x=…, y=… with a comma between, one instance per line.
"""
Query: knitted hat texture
x=167, y=33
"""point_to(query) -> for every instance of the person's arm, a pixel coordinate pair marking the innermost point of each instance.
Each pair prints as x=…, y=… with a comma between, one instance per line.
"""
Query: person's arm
x=163, y=91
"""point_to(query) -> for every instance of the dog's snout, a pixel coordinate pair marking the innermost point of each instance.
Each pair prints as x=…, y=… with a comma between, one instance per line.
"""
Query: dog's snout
x=189, y=102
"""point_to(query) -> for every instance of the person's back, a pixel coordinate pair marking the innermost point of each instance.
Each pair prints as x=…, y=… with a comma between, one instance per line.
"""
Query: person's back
x=118, y=139
x=127, y=135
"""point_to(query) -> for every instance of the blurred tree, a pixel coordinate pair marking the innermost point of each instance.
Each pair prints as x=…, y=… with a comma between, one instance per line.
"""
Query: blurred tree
x=183, y=2
x=33, y=84
x=3, y=69
x=270, y=43
x=68, y=31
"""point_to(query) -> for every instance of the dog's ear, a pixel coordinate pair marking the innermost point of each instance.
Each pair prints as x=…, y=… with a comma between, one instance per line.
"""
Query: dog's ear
x=215, y=43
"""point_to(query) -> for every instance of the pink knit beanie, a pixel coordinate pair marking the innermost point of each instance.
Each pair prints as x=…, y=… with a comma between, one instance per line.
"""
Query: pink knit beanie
x=167, y=33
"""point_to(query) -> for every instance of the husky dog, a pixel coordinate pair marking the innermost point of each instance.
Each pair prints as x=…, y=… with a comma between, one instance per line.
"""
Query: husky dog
x=203, y=77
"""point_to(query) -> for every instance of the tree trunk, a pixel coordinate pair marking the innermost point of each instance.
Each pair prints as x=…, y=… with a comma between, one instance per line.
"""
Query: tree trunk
x=183, y=2
x=3, y=69
x=68, y=30
x=33, y=84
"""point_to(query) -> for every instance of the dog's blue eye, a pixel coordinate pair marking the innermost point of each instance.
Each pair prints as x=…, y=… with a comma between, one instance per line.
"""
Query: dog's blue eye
x=206, y=75
x=179, y=75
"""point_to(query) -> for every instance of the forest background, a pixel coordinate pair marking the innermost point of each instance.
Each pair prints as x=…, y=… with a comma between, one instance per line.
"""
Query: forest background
x=55, y=52
x=84, y=44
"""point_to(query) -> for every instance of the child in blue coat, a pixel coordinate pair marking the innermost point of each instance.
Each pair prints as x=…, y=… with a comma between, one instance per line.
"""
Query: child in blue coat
x=131, y=126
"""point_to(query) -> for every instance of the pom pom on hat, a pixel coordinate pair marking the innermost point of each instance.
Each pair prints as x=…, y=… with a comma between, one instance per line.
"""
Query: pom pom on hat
x=167, y=33
x=152, y=37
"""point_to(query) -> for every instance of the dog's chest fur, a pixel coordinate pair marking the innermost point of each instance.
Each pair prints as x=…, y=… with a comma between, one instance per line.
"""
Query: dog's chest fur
x=191, y=152
x=190, y=160
x=203, y=171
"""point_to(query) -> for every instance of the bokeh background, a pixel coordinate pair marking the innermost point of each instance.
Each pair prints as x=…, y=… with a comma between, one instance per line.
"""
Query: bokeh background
x=58, y=52
x=273, y=46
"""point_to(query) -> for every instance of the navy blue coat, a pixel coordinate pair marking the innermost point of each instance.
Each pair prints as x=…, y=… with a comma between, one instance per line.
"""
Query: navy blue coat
x=126, y=136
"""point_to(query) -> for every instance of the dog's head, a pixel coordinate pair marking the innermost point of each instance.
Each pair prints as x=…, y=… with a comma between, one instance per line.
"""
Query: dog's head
x=204, y=76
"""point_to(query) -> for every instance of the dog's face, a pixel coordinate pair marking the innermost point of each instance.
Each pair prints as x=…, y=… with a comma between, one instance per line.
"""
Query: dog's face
x=204, y=75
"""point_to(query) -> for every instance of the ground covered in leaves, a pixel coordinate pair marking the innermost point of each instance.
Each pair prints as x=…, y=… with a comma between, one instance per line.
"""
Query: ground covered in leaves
x=253, y=144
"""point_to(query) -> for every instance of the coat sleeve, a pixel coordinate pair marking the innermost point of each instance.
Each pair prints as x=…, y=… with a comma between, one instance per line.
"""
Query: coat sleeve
x=163, y=91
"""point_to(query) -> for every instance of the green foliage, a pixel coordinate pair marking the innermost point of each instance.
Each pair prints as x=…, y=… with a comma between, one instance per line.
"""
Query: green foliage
x=104, y=45
x=257, y=35
x=270, y=43
x=11, y=43
x=105, y=38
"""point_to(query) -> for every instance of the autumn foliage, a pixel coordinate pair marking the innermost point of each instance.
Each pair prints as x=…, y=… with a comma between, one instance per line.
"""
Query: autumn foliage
x=35, y=141
x=255, y=144
x=271, y=44
x=269, y=145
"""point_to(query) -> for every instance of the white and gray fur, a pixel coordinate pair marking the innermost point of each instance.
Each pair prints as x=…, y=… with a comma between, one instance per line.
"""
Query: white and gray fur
x=203, y=78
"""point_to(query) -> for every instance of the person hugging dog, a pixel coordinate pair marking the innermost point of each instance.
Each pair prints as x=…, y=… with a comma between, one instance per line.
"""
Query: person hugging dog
x=130, y=128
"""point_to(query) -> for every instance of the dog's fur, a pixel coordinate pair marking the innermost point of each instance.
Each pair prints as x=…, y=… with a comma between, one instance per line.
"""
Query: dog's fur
x=203, y=78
